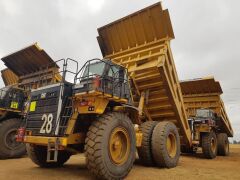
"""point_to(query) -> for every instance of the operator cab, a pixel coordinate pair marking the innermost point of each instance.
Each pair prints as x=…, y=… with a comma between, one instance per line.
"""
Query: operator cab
x=103, y=76
x=203, y=116
x=11, y=98
x=205, y=113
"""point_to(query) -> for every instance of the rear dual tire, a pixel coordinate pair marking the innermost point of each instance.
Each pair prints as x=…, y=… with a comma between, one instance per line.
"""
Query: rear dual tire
x=160, y=145
x=223, y=144
x=145, y=151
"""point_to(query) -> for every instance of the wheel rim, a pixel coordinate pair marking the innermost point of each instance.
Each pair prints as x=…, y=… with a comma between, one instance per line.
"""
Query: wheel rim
x=10, y=139
x=171, y=145
x=119, y=146
x=213, y=144
x=226, y=145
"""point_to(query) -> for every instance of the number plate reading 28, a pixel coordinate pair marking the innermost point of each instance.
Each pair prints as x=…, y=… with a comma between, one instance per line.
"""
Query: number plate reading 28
x=47, y=123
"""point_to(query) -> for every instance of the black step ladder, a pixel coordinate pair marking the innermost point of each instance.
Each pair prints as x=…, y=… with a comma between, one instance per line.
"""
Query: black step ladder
x=65, y=115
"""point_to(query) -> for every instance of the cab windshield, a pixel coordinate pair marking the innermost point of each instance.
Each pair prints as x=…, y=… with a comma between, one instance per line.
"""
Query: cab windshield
x=204, y=113
x=3, y=92
x=94, y=69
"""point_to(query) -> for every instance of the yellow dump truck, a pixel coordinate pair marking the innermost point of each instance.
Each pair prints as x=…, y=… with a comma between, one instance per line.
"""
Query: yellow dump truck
x=21, y=75
x=207, y=116
x=130, y=100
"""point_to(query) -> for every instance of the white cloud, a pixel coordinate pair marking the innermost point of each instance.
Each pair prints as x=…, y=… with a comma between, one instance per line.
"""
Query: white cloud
x=10, y=7
x=95, y=5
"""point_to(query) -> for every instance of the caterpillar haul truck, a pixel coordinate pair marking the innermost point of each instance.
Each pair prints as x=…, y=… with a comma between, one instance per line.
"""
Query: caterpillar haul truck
x=20, y=76
x=131, y=100
x=207, y=116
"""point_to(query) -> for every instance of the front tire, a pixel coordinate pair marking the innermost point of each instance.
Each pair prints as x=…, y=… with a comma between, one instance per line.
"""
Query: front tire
x=166, y=145
x=222, y=144
x=110, y=146
x=209, y=145
x=9, y=147
x=38, y=154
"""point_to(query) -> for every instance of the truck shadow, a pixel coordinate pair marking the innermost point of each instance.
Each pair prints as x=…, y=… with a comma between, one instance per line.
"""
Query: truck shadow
x=72, y=171
x=195, y=155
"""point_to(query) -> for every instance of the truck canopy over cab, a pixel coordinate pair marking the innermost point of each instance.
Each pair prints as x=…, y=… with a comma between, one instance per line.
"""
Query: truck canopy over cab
x=27, y=66
x=204, y=113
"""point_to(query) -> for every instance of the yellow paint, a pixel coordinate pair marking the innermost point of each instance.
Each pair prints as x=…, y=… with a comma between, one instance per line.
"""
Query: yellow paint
x=139, y=136
x=202, y=128
x=3, y=110
x=42, y=140
x=33, y=106
x=64, y=141
x=71, y=123
x=14, y=105
x=119, y=145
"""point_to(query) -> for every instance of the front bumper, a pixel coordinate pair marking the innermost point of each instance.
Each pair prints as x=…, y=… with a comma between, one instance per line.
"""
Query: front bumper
x=62, y=141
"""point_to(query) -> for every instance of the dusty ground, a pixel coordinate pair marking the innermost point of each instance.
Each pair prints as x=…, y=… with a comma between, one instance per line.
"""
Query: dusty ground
x=190, y=167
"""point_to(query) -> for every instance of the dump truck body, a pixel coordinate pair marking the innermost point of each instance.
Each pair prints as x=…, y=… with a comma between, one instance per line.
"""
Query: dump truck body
x=141, y=43
x=206, y=93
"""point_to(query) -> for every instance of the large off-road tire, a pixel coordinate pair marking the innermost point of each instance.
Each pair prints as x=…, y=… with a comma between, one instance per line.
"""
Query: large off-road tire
x=222, y=144
x=110, y=146
x=38, y=154
x=165, y=145
x=9, y=147
x=145, y=151
x=209, y=145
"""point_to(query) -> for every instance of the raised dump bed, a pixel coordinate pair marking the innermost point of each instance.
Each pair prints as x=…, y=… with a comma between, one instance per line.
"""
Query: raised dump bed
x=30, y=67
x=205, y=93
x=9, y=78
x=141, y=43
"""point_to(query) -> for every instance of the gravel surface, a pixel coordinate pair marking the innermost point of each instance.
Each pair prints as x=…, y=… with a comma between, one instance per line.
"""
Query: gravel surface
x=190, y=167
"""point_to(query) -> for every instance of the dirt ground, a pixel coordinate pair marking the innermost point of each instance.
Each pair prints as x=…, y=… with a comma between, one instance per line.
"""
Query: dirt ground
x=190, y=167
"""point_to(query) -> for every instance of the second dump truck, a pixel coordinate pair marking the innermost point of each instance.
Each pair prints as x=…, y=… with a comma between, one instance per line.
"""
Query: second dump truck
x=207, y=117
x=23, y=74
x=129, y=101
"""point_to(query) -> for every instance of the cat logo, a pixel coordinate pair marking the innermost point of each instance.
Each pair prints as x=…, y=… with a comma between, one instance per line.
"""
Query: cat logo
x=43, y=95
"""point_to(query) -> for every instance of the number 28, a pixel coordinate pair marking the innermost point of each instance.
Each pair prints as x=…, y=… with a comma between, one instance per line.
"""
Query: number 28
x=47, y=124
